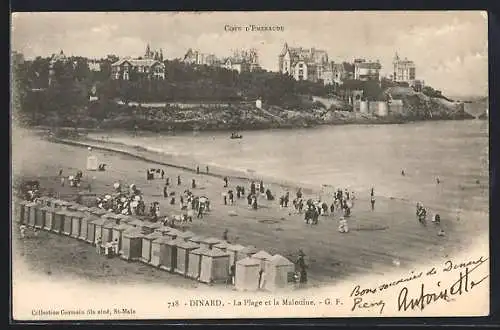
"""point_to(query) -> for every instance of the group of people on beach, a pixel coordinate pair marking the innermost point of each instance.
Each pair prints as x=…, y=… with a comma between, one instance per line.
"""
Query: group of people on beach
x=127, y=202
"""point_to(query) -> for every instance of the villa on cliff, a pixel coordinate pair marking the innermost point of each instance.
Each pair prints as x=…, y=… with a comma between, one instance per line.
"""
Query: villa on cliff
x=303, y=64
x=198, y=58
x=150, y=66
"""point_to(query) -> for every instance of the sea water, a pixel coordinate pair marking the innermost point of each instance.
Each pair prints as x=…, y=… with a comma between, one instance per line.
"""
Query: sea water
x=357, y=157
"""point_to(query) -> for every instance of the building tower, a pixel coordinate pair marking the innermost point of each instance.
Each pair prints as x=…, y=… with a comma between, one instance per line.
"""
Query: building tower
x=395, y=64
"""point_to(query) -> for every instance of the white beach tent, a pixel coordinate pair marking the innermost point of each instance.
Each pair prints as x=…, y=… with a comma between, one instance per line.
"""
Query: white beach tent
x=92, y=162
x=263, y=257
x=247, y=274
x=278, y=271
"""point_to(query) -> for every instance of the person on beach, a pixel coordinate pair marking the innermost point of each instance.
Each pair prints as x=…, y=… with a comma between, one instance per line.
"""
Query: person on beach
x=22, y=230
x=436, y=219
x=343, y=226
x=165, y=191
x=301, y=264
x=332, y=208
x=178, y=180
x=62, y=181
x=252, y=188
x=231, y=197
x=225, y=182
x=372, y=202
x=224, y=196
x=254, y=202
x=372, y=192
x=261, y=187
x=249, y=200
x=224, y=235
x=437, y=180
x=207, y=169
x=193, y=184
x=167, y=182
x=162, y=174
x=200, y=211
x=190, y=215
x=60, y=172
x=403, y=172
x=98, y=245
x=197, y=170
x=299, y=193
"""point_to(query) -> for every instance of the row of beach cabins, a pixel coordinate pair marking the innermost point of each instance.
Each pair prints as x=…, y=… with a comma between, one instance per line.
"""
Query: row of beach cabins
x=205, y=259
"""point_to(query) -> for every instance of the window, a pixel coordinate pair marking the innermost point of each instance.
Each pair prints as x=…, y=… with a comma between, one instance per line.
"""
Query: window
x=125, y=75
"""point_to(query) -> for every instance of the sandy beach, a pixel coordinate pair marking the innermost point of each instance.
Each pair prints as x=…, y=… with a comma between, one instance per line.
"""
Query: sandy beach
x=379, y=241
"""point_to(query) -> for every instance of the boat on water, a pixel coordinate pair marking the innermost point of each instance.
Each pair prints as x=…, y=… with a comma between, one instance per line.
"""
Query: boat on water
x=236, y=136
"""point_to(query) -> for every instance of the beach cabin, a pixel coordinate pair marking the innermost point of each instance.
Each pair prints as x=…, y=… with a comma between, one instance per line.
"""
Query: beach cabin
x=123, y=218
x=197, y=239
x=183, y=250
x=172, y=233
x=76, y=223
x=112, y=217
x=263, y=257
x=118, y=231
x=194, y=263
x=84, y=227
x=91, y=229
x=49, y=201
x=26, y=212
x=68, y=215
x=163, y=230
x=61, y=204
x=234, y=253
x=92, y=163
x=98, y=225
x=49, y=218
x=32, y=207
x=279, y=273
x=73, y=206
x=136, y=223
x=222, y=246
x=131, y=245
x=247, y=274
x=214, y=266
x=149, y=227
x=107, y=231
x=40, y=216
x=42, y=200
x=209, y=242
x=156, y=250
x=20, y=210
x=97, y=212
x=147, y=241
x=168, y=254
x=248, y=251
x=185, y=235
x=58, y=222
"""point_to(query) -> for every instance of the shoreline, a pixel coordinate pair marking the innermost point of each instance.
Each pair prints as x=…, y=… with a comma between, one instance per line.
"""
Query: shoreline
x=189, y=164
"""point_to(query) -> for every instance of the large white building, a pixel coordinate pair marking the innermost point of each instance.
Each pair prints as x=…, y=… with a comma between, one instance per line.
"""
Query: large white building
x=366, y=70
x=150, y=66
x=303, y=64
x=404, y=70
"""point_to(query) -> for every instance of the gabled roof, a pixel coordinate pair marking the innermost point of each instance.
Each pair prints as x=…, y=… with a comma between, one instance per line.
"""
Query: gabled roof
x=279, y=260
x=262, y=255
x=147, y=62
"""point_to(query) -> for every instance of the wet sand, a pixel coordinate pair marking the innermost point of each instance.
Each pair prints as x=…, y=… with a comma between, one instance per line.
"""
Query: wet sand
x=379, y=241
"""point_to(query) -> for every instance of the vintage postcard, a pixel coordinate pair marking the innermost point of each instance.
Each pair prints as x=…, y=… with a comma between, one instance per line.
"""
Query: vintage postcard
x=222, y=165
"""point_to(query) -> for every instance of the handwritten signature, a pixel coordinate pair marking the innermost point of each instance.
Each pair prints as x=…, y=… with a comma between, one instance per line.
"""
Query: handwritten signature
x=463, y=285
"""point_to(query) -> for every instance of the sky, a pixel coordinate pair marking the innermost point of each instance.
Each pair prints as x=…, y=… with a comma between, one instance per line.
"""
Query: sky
x=449, y=48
